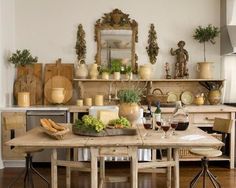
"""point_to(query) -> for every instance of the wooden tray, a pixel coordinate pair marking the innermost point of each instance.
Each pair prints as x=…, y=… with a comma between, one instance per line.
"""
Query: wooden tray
x=106, y=132
x=58, y=82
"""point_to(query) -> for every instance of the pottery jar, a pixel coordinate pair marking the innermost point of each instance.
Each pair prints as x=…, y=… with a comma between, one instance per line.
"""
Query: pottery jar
x=204, y=70
x=214, y=96
x=94, y=71
x=131, y=111
x=23, y=99
x=58, y=95
x=145, y=72
x=81, y=70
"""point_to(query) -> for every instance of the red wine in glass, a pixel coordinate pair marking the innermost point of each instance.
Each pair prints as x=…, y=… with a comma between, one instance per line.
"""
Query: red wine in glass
x=174, y=125
x=158, y=125
x=147, y=125
x=165, y=128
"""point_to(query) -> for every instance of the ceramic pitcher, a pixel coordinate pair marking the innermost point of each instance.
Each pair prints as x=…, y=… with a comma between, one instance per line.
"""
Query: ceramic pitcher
x=94, y=71
x=81, y=70
x=58, y=95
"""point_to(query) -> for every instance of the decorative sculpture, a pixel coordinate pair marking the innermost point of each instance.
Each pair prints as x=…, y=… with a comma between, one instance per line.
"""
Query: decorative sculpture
x=152, y=48
x=167, y=69
x=80, y=43
x=181, y=70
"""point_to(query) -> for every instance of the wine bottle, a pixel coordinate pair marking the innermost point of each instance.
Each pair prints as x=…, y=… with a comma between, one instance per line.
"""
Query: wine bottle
x=157, y=116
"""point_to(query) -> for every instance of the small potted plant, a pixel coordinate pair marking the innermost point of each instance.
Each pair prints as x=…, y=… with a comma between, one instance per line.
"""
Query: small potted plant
x=129, y=103
x=105, y=72
x=22, y=58
x=116, y=68
x=204, y=35
x=128, y=72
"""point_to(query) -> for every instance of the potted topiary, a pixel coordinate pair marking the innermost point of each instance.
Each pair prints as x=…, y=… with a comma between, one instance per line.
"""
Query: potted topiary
x=105, y=72
x=129, y=103
x=203, y=35
x=22, y=58
x=116, y=68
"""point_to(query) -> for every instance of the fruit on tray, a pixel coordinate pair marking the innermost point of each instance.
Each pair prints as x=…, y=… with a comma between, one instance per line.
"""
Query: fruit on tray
x=51, y=126
x=121, y=122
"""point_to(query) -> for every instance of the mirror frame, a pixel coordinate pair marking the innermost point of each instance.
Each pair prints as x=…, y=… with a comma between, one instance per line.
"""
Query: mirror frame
x=117, y=20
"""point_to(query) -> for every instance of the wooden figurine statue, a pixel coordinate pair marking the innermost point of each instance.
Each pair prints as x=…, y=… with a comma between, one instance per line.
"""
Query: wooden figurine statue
x=167, y=69
x=182, y=57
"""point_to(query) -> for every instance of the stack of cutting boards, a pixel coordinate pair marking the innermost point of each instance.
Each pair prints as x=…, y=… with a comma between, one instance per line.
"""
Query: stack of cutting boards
x=58, y=75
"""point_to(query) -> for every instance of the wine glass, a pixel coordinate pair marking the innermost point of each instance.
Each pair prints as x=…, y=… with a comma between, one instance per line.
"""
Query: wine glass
x=165, y=125
x=173, y=125
x=147, y=122
x=158, y=123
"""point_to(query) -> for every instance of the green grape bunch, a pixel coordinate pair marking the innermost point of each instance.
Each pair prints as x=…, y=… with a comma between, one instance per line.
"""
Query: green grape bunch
x=121, y=122
x=90, y=123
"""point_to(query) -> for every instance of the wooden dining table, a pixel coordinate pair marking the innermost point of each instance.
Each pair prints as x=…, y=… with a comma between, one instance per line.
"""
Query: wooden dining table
x=118, y=146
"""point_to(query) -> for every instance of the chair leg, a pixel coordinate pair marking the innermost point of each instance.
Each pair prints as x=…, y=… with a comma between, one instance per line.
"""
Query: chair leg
x=205, y=171
x=28, y=174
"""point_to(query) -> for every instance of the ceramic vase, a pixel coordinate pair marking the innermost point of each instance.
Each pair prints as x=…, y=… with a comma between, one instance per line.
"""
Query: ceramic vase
x=131, y=111
x=214, y=97
x=94, y=71
x=204, y=70
x=116, y=75
x=145, y=72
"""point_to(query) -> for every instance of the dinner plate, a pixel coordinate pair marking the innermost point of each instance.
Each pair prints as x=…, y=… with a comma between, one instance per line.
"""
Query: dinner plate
x=172, y=97
x=187, y=97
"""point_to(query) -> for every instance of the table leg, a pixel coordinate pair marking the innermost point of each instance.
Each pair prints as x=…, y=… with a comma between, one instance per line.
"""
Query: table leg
x=134, y=167
x=102, y=171
x=68, y=170
x=176, y=167
x=54, y=168
x=94, y=168
x=169, y=157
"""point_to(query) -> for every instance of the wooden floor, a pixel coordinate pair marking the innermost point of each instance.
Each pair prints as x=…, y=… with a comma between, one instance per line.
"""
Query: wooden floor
x=226, y=177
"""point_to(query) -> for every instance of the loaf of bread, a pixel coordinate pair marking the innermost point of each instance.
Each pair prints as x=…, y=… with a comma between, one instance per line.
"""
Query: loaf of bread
x=56, y=126
x=47, y=125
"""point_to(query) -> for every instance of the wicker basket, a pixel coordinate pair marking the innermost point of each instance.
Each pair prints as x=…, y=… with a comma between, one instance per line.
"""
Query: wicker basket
x=58, y=135
x=184, y=152
x=154, y=97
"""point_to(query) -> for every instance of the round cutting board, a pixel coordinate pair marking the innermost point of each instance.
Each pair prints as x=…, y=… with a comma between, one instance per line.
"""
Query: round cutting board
x=29, y=83
x=58, y=82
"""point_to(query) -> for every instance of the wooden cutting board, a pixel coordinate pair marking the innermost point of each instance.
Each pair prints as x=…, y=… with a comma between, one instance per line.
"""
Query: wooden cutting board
x=58, y=82
x=31, y=84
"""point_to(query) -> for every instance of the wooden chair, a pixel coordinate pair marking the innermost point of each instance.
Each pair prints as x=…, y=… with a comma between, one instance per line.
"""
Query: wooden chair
x=222, y=126
x=12, y=126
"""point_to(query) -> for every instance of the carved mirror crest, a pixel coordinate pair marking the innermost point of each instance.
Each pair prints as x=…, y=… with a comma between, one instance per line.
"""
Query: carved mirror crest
x=116, y=35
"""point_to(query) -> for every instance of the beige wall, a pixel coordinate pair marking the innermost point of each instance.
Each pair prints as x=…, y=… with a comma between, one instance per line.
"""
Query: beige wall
x=48, y=28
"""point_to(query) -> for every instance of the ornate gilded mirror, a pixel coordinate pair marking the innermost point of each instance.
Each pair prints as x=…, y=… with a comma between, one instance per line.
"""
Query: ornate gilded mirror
x=116, y=35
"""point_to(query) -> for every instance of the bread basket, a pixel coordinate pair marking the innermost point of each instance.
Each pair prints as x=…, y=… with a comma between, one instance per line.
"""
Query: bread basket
x=59, y=135
x=157, y=95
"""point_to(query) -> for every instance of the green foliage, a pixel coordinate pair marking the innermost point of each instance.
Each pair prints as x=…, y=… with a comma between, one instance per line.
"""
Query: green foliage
x=90, y=124
x=104, y=69
x=207, y=34
x=123, y=122
x=128, y=69
x=22, y=58
x=130, y=95
x=116, y=65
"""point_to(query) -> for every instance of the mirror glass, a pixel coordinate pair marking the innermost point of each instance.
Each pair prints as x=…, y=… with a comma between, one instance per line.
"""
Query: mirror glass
x=116, y=34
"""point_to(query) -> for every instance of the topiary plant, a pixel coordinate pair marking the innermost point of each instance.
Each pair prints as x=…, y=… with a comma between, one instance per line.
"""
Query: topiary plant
x=22, y=58
x=129, y=95
x=207, y=34
x=116, y=65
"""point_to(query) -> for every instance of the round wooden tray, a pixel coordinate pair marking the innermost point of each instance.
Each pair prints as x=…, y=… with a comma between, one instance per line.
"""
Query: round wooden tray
x=58, y=82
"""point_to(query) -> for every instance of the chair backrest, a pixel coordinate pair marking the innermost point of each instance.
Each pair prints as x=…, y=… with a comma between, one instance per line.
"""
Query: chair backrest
x=222, y=125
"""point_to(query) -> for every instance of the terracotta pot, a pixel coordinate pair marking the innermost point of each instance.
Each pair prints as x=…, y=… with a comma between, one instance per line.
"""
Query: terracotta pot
x=145, y=72
x=214, y=97
x=204, y=70
x=58, y=95
x=131, y=111
x=81, y=70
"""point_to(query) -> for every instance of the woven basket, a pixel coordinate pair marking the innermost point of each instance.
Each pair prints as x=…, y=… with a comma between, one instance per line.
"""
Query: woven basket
x=58, y=135
x=154, y=97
